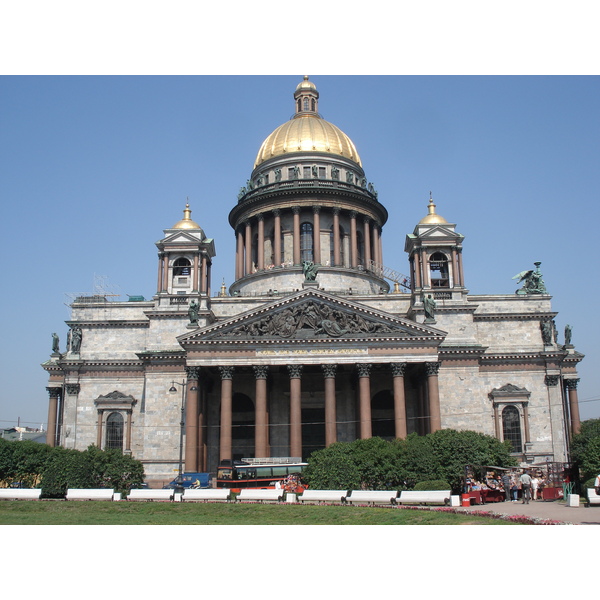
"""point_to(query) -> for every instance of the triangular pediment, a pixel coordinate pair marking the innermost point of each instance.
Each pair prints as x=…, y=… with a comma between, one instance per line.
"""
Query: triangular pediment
x=313, y=315
x=181, y=237
x=439, y=232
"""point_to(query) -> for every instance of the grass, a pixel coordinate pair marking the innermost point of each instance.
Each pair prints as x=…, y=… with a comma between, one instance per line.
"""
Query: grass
x=57, y=512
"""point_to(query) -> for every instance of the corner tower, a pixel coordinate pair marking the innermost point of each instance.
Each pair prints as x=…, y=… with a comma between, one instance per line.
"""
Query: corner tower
x=435, y=254
x=184, y=262
x=308, y=201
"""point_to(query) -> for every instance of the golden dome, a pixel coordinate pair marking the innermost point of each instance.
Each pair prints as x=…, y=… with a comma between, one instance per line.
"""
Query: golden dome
x=432, y=218
x=186, y=222
x=307, y=131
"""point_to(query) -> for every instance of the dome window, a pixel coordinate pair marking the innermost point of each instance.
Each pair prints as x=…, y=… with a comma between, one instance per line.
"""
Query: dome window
x=306, y=242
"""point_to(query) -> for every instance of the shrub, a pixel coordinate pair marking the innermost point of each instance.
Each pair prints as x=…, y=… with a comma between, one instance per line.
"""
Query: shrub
x=434, y=484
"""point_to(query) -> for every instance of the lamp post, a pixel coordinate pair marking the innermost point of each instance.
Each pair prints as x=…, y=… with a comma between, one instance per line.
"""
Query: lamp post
x=179, y=479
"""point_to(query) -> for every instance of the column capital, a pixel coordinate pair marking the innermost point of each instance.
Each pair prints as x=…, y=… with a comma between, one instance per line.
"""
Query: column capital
x=260, y=217
x=192, y=373
x=53, y=392
x=316, y=209
x=571, y=384
x=72, y=389
x=329, y=370
x=336, y=210
x=276, y=212
x=398, y=369
x=226, y=372
x=364, y=369
x=432, y=368
x=295, y=371
x=261, y=371
x=551, y=380
x=296, y=210
x=353, y=214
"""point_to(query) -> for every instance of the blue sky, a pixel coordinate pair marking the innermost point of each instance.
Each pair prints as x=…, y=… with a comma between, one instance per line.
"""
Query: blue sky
x=92, y=169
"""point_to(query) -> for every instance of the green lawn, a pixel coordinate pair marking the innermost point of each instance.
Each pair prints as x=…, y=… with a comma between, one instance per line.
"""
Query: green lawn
x=57, y=512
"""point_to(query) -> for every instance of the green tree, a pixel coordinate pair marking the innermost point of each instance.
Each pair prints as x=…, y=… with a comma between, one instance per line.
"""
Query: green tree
x=400, y=464
x=585, y=448
x=91, y=468
x=21, y=462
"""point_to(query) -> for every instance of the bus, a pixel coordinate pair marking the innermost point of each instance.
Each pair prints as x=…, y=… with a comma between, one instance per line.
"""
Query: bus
x=262, y=473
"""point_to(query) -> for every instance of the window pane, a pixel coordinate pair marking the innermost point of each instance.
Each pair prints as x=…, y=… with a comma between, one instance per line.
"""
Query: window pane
x=511, y=425
x=114, y=431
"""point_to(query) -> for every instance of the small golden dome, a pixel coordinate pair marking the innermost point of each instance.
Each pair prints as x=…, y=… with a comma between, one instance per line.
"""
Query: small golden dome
x=307, y=131
x=306, y=85
x=432, y=217
x=186, y=222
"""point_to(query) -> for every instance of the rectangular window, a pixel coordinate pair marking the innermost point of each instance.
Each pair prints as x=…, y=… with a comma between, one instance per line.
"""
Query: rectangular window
x=322, y=172
x=306, y=172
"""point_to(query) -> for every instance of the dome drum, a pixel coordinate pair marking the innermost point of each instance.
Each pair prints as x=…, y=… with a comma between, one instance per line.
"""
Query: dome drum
x=335, y=280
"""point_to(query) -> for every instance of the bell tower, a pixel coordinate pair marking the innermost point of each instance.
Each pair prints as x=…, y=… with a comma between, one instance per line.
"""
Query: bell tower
x=435, y=254
x=184, y=263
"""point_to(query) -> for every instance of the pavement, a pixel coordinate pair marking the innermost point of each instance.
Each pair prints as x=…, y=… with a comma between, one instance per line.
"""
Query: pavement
x=556, y=510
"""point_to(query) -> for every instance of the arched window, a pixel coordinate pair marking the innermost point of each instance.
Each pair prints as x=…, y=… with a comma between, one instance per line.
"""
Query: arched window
x=438, y=269
x=511, y=427
x=181, y=266
x=114, y=431
x=306, y=241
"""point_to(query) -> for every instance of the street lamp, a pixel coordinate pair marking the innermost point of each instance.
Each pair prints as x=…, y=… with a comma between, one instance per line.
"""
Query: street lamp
x=179, y=479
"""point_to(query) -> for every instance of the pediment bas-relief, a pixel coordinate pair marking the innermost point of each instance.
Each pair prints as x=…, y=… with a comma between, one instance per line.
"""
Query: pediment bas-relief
x=309, y=320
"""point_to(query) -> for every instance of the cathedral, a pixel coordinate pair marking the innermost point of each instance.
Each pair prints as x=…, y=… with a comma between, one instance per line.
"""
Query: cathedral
x=316, y=341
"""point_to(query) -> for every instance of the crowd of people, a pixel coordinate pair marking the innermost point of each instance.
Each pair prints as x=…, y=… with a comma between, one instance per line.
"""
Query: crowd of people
x=527, y=485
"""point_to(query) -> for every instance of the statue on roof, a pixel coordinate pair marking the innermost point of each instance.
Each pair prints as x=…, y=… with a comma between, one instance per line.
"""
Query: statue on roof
x=568, y=333
x=193, y=311
x=310, y=270
x=429, y=306
x=55, y=344
x=533, y=282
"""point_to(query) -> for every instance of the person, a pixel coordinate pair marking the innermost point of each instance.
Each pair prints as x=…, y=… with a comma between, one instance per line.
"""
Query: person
x=525, y=480
x=597, y=485
x=534, y=487
x=506, y=485
x=514, y=488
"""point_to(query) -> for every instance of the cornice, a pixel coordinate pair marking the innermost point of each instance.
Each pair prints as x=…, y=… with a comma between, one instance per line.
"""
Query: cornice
x=513, y=316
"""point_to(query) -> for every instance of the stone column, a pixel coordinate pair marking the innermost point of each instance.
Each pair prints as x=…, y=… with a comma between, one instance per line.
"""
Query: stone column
x=364, y=391
x=260, y=258
x=196, y=274
x=296, y=235
x=571, y=385
x=248, y=249
x=417, y=274
x=433, y=393
x=204, y=275
x=460, y=269
x=316, y=235
x=425, y=268
x=353, y=241
x=99, y=435
x=330, y=404
x=261, y=428
x=336, y=237
x=159, y=283
x=54, y=395
x=239, y=259
x=129, y=416
x=376, y=245
x=165, y=282
x=398, y=370
x=191, y=420
x=277, y=260
x=295, y=372
x=367, y=239
x=380, y=244
x=225, y=446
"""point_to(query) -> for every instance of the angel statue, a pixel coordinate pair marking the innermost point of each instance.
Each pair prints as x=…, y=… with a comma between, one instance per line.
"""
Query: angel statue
x=533, y=282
